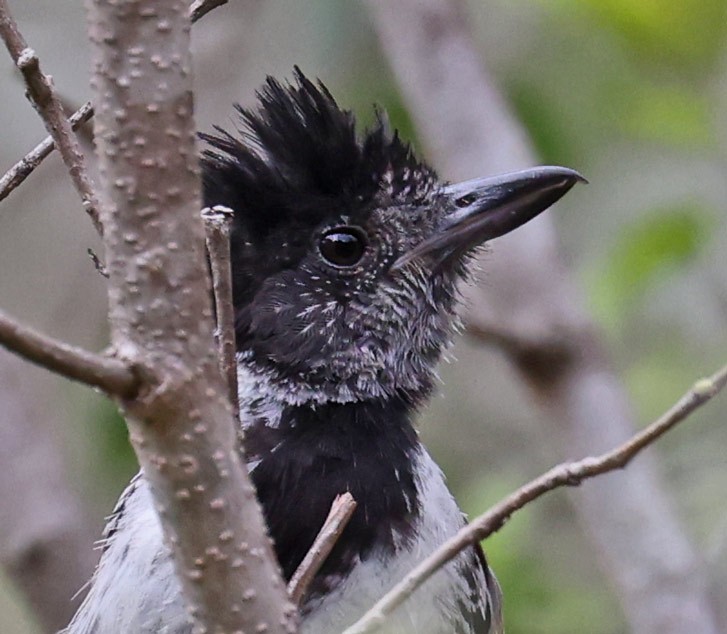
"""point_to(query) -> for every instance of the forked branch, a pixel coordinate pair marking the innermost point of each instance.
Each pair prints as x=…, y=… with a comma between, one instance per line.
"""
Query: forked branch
x=46, y=101
x=27, y=165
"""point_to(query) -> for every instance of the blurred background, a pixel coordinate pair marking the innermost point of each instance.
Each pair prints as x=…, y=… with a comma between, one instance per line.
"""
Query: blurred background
x=632, y=93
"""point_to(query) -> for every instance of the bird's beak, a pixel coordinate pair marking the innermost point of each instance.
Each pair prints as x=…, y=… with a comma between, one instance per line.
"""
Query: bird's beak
x=486, y=208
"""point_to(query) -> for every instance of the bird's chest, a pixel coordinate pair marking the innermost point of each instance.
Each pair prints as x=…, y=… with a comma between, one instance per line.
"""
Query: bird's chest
x=444, y=605
x=404, y=512
x=300, y=466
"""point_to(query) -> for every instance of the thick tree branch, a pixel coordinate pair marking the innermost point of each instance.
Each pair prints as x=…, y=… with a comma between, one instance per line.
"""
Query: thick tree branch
x=110, y=375
x=532, y=308
x=341, y=511
x=43, y=96
x=567, y=474
x=217, y=224
x=181, y=425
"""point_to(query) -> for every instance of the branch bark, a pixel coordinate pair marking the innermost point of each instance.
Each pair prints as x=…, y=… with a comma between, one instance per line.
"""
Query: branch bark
x=45, y=100
x=181, y=423
x=25, y=166
x=530, y=305
x=341, y=511
x=217, y=224
x=111, y=375
x=569, y=474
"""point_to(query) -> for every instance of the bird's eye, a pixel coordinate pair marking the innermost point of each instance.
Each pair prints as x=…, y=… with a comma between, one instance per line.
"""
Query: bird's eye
x=342, y=246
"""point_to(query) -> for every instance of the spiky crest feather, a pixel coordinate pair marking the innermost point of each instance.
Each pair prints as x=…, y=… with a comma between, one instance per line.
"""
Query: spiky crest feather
x=299, y=152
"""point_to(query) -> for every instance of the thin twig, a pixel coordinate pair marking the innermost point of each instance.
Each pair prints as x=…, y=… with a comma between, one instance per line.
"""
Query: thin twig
x=25, y=166
x=200, y=8
x=111, y=375
x=565, y=474
x=341, y=511
x=43, y=96
x=217, y=225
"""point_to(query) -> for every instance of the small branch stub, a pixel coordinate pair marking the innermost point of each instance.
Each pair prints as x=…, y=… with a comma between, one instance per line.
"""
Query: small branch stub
x=217, y=224
x=341, y=511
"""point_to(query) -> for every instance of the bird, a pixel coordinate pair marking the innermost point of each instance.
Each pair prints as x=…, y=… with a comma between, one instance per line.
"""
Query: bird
x=347, y=252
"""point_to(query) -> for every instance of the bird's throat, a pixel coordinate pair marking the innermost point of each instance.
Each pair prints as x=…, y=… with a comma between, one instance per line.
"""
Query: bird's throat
x=313, y=452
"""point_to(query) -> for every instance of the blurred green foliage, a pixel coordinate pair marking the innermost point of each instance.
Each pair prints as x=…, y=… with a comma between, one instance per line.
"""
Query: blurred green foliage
x=683, y=33
x=647, y=250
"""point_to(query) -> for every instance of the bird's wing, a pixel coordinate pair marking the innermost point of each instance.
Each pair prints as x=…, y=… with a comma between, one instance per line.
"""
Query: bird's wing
x=485, y=605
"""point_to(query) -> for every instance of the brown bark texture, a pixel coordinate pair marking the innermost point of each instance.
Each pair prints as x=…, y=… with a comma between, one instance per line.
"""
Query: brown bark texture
x=181, y=422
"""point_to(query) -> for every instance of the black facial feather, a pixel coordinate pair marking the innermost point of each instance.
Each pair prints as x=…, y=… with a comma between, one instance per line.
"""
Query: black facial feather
x=296, y=173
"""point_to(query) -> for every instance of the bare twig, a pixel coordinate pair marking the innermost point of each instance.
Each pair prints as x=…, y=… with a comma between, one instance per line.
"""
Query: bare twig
x=200, y=8
x=111, y=375
x=25, y=166
x=565, y=474
x=45, y=100
x=217, y=225
x=341, y=511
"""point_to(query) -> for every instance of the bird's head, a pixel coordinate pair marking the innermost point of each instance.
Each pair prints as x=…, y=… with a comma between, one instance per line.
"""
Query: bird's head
x=346, y=249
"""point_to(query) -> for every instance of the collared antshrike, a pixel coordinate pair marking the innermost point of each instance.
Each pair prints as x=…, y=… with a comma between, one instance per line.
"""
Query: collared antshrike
x=346, y=255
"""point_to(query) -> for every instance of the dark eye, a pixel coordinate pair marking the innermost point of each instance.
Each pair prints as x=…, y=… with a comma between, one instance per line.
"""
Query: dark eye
x=342, y=246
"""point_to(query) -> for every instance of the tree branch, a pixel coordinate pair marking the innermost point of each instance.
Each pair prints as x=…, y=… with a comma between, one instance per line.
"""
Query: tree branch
x=567, y=474
x=181, y=424
x=43, y=96
x=341, y=511
x=112, y=376
x=217, y=225
x=25, y=166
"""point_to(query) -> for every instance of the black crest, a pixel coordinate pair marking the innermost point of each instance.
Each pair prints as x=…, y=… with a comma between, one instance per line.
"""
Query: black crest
x=299, y=152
